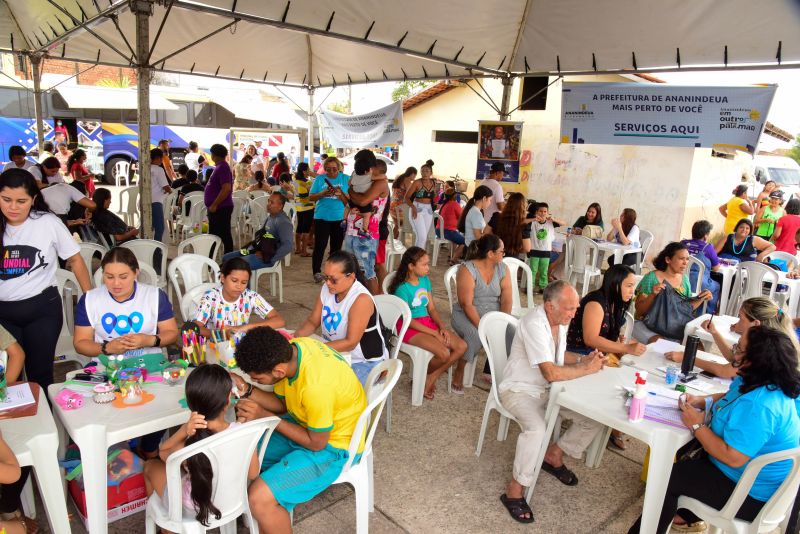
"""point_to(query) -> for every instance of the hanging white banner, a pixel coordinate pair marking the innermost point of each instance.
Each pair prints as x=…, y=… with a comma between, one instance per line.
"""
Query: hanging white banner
x=381, y=127
x=664, y=115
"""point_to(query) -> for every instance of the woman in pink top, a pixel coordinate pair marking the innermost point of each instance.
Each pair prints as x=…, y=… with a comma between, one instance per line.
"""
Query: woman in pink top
x=451, y=213
x=787, y=227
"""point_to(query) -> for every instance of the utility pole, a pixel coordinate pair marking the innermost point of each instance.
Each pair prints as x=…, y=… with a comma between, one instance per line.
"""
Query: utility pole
x=505, y=103
x=36, y=71
x=143, y=9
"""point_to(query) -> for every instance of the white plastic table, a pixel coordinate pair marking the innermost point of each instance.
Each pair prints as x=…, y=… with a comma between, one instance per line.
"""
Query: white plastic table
x=599, y=397
x=34, y=441
x=609, y=248
x=728, y=272
x=95, y=427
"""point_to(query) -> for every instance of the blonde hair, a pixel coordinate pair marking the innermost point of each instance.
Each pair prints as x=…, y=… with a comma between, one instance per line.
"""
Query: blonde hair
x=335, y=160
x=768, y=313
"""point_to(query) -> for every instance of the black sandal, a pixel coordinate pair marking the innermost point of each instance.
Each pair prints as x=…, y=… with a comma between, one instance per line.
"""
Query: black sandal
x=517, y=508
x=564, y=475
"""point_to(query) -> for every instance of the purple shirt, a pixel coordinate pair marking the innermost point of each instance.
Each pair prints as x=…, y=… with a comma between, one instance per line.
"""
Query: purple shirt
x=221, y=175
x=698, y=246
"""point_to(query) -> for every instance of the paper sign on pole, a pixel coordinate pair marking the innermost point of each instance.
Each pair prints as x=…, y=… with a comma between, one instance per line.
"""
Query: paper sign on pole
x=664, y=115
x=499, y=142
x=383, y=126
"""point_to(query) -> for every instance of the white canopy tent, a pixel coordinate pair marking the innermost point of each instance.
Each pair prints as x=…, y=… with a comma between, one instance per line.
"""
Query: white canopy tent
x=311, y=44
x=92, y=97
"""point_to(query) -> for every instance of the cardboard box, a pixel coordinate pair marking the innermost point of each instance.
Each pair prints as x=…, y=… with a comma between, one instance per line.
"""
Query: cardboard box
x=126, y=499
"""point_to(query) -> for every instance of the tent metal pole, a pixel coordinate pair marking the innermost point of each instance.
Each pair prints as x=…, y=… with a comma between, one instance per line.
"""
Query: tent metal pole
x=505, y=103
x=36, y=71
x=143, y=10
x=311, y=128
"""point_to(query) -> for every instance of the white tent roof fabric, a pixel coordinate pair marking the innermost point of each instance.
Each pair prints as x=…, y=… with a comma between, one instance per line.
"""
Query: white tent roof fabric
x=93, y=97
x=312, y=43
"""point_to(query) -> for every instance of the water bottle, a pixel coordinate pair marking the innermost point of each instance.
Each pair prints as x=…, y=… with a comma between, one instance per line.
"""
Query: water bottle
x=689, y=355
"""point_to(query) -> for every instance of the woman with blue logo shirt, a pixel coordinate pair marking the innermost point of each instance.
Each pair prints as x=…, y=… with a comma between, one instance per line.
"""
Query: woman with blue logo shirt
x=124, y=317
x=757, y=416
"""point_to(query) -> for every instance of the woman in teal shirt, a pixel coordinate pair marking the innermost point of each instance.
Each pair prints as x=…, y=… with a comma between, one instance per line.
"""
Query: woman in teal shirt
x=757, y=416
x=328, y=192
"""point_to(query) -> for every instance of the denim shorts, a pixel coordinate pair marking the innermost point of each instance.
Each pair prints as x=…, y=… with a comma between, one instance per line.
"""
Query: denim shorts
x=454, y=236
x=365, y=251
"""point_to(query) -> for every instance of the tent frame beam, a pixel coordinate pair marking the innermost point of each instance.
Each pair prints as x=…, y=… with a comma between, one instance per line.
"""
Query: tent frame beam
x=85, y=26
x=81, y=26
x=253, y=19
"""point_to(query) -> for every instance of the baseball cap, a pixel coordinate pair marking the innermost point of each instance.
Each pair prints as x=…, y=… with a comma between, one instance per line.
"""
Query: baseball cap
x=498, y=167
x=776, y=194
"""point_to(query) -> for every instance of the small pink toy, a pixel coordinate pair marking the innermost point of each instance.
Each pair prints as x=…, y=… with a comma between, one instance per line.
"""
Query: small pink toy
x=104, y=393
x=69, y=400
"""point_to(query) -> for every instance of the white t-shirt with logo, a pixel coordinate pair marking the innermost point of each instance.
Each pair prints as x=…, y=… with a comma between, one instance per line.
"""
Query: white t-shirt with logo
x=30, y=258
x=159, y=181
x=57, y=178
x=59, y=197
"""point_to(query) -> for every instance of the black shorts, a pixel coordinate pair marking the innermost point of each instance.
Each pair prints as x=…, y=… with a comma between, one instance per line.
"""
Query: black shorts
x=304, y=220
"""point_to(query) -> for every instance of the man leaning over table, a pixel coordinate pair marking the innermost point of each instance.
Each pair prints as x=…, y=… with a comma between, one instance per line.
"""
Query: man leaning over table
x=537, y=358
x=319, y=399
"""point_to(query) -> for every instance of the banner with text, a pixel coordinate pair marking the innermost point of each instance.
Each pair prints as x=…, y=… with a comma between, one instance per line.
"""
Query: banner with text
x=499, y=142
x=383, y=126
x=664, y=115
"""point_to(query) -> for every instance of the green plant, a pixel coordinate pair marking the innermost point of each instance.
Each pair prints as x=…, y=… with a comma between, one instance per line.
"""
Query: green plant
x=408, y=88
x=118, y=83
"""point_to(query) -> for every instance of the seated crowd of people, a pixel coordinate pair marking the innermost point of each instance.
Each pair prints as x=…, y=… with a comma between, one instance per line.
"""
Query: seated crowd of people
x=320, y=395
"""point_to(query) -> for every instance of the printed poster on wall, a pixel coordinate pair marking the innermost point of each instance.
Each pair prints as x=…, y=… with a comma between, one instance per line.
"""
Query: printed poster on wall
x=499, y=141
x=664, y=115
x=380, y=127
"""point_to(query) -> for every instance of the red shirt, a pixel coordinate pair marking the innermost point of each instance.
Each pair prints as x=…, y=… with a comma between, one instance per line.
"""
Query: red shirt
x=451, y=213
x=789, y=224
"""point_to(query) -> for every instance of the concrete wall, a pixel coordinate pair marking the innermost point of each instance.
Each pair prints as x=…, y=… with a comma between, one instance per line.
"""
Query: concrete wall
x=655, y=181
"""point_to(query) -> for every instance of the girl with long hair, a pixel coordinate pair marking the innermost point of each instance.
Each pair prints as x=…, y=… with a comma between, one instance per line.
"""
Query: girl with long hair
x=426, y=330
x=625, y=232
x=509, y=225
x=208, y=396
x=399, y=187
x=107, y=222
x=451, y=213
x=593, y=216
x=472, y=223
x=79, y=173
x=420, y=196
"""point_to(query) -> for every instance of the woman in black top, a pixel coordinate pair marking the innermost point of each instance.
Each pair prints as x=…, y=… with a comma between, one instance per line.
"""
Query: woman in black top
x=742, y=245
x=594, y=216
x=106, y=222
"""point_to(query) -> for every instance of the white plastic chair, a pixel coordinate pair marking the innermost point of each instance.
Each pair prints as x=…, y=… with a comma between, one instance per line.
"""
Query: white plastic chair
x=775, y=510
x=129, y=205
x=241, y=194
x=122, y=171
x=198, y=214
x=182, y=218
x=406, y=229
x=438, y=221
x=492, y=332
x=169, y=213
x=645, y=240
x=89, y=251
x=701, y=270
x=261, y=201
x=582, y=261
x=144, y=250
x=208, y=245
x=452, y=294
x=514, y=265
x=256, y=219
x=236, y=220
x=275, y=276
x=379, y=386
x=790, y=259
x=147, y=275
x=191, y=270
x=229, y=485
x=394, y=247
x=191, y=299
x=258, y=193
x=68, y=288
x=390, y=310
x=749, y=282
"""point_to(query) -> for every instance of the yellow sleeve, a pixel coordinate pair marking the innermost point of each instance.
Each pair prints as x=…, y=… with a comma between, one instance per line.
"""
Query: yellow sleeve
x=318, y=403
x=280, y=389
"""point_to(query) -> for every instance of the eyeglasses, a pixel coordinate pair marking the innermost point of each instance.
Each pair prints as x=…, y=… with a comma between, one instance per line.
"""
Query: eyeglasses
x=332, y=169
x=502, y=252
x=333, y=280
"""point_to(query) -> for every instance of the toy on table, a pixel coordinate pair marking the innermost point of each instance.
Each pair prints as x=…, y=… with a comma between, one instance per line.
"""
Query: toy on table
x=174, y=372
x=69, y=400
x=193, y=349
x=104, y=393
x=223, y=344
x=130, y=385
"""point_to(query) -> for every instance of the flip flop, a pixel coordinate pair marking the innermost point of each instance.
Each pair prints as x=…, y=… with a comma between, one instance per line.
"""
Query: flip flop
x=517, y=508
x=457, y=390
x=617, y=442
x=564, y=475
x=429, y=396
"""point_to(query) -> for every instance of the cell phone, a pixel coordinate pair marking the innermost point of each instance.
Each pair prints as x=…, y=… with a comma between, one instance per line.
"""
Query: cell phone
x=90, y=378
x=329, y=183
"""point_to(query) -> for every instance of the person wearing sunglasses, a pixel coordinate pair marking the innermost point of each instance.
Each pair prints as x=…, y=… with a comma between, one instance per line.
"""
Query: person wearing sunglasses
x=347, y=315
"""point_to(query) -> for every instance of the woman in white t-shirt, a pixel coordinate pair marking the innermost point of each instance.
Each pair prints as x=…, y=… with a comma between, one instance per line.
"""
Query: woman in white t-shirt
x=348, y=316
x=625, y=232
x=31, y=241
x=472, y=224
x=47, y=172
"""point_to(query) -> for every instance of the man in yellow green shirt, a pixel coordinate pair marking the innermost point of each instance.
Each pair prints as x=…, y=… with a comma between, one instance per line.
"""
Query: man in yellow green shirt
x=319, y=398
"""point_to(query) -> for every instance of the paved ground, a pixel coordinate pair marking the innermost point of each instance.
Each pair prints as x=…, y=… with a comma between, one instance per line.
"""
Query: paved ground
x=427, y=476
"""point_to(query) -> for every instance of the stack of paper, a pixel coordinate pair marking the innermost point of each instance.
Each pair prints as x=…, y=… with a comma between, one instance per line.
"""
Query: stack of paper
x=17, y=396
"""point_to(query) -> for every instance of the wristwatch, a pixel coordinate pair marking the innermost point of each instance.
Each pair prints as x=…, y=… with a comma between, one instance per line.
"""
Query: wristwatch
x=249, y=391
x=158, y=341
x=103, y=347
x=697, y=426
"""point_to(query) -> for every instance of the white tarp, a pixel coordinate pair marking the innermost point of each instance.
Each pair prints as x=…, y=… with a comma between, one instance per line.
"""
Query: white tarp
x=664, y=115
x=380, y=127
x=259, y=110
x=312, y=43
x=93, y=97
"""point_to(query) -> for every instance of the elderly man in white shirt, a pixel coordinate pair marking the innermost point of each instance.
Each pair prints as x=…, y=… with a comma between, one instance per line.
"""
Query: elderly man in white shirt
x=537, y=358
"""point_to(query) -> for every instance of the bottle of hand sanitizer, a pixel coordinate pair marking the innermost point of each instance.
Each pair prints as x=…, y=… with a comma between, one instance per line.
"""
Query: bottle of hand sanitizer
x=639, y=400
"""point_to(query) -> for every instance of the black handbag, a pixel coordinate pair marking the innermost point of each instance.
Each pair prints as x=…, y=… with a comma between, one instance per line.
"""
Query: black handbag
x=669, y=313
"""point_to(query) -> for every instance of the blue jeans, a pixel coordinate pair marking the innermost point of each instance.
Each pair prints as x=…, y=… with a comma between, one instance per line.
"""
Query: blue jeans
x=454, y=236
x=365, y=251
x=254, y=261
x=362, y=369
x=158, y=220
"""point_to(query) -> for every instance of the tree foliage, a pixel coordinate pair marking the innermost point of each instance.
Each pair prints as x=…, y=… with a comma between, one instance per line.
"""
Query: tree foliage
x=408, y=88
x=794, y=153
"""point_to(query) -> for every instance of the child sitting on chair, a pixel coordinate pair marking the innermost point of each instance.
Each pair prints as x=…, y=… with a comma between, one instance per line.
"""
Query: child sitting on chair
x=208, y=395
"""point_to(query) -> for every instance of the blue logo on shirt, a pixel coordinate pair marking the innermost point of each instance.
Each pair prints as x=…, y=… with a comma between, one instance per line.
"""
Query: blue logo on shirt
x=330, y=320
x=122, y=324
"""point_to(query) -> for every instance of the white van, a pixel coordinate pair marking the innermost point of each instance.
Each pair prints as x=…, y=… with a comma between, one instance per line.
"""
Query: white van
x=782, y=170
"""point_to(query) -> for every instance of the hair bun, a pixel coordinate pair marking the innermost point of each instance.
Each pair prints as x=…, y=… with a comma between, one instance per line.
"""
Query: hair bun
x=429, y=163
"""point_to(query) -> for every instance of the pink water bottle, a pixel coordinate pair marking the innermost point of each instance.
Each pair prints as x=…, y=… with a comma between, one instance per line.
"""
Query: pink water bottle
x=639, y=400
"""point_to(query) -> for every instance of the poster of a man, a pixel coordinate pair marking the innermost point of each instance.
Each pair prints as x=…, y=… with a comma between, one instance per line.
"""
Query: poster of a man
x=499, y=143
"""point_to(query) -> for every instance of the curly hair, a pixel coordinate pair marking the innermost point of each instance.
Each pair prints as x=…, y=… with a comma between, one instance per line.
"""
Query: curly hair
x=660, y=261
x=410, y=256
x=770, y=361
x=262, y=349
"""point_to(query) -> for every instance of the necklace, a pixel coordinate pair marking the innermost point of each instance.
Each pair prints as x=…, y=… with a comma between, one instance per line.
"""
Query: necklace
x=733, y=245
